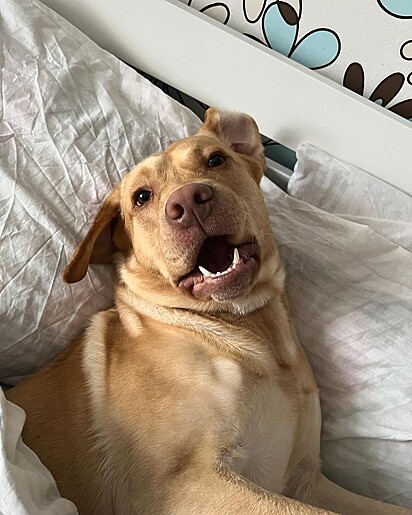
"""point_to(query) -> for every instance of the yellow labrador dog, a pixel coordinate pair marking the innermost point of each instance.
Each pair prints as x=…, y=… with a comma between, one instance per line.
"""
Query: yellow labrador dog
x=192, y=395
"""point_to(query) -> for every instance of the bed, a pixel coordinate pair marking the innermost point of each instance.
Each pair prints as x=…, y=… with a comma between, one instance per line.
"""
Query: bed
x=75, y=119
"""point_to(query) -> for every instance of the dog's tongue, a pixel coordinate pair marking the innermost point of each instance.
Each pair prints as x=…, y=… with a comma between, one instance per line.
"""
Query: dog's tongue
x=216, y=254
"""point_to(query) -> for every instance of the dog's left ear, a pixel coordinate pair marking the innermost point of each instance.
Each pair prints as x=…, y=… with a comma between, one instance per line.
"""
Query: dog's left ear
x=239, y=131
x=98, y=245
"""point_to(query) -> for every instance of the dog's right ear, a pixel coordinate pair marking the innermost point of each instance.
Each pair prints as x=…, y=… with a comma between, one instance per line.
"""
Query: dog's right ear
x=240, y=132
x=97, y=246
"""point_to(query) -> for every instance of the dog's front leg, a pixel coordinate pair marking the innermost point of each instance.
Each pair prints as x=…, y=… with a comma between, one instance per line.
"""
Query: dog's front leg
x=332, y=497
x=226, y=494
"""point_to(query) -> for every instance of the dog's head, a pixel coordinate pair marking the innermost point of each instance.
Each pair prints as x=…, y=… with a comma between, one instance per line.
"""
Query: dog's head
x=189, y=226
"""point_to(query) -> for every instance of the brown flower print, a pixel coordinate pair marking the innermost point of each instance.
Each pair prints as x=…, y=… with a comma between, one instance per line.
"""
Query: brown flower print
x=385, y=91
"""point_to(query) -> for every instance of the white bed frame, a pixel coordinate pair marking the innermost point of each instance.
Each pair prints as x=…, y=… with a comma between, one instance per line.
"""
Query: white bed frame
x=221, y=67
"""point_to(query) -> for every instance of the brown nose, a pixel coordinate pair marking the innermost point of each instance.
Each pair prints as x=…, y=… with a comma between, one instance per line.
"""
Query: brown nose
x=189, y=204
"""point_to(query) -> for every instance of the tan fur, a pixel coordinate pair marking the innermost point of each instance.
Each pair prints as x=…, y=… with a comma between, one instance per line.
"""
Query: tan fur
x=180, y=403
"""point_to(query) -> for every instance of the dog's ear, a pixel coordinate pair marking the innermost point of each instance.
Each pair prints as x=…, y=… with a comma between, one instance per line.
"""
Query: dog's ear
x=238, y=130
x=97, y=246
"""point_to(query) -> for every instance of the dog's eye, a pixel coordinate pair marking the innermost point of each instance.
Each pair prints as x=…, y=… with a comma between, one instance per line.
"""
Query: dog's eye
x=142, y=197
x=216, y=159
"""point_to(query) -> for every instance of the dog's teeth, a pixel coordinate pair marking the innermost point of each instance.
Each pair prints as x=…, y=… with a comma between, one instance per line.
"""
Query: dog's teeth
x=205, y=272
x=236, y=260
x=236, y=257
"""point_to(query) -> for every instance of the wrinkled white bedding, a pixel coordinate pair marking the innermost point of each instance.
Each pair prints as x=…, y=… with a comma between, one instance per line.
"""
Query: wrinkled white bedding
x=74, y=120
x=26, y=486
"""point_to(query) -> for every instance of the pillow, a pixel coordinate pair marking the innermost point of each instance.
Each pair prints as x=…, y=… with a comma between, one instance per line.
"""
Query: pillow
x=344, y=189
x=351, y=193
x=74, y=119
x=351, y=295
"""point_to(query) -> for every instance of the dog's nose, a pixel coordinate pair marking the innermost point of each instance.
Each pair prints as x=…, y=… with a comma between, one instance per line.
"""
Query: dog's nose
x=188, y=204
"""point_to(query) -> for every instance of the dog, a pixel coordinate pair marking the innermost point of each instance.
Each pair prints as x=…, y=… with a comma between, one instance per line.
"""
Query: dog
x=192, y=394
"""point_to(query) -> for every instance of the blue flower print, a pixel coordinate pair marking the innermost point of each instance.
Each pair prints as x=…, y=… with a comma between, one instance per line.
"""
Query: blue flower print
x=317, y=49
x=397, y=8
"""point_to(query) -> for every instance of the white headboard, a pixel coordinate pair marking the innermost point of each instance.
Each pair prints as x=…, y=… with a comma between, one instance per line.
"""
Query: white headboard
x=221, y=67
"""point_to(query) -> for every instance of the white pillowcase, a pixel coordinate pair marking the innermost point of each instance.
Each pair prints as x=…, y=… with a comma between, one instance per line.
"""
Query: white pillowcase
x=74, y=119
x=345, y=190
x=350, y=280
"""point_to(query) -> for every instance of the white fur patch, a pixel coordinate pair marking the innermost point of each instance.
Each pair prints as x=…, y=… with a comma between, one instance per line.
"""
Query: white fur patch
x=227, y=384
x=266, y=437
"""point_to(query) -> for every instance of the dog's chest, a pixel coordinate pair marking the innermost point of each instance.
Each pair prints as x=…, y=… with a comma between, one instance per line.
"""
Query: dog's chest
x=265, y=426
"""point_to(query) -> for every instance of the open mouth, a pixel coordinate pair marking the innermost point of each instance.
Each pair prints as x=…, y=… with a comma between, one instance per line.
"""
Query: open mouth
x=222, y=270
